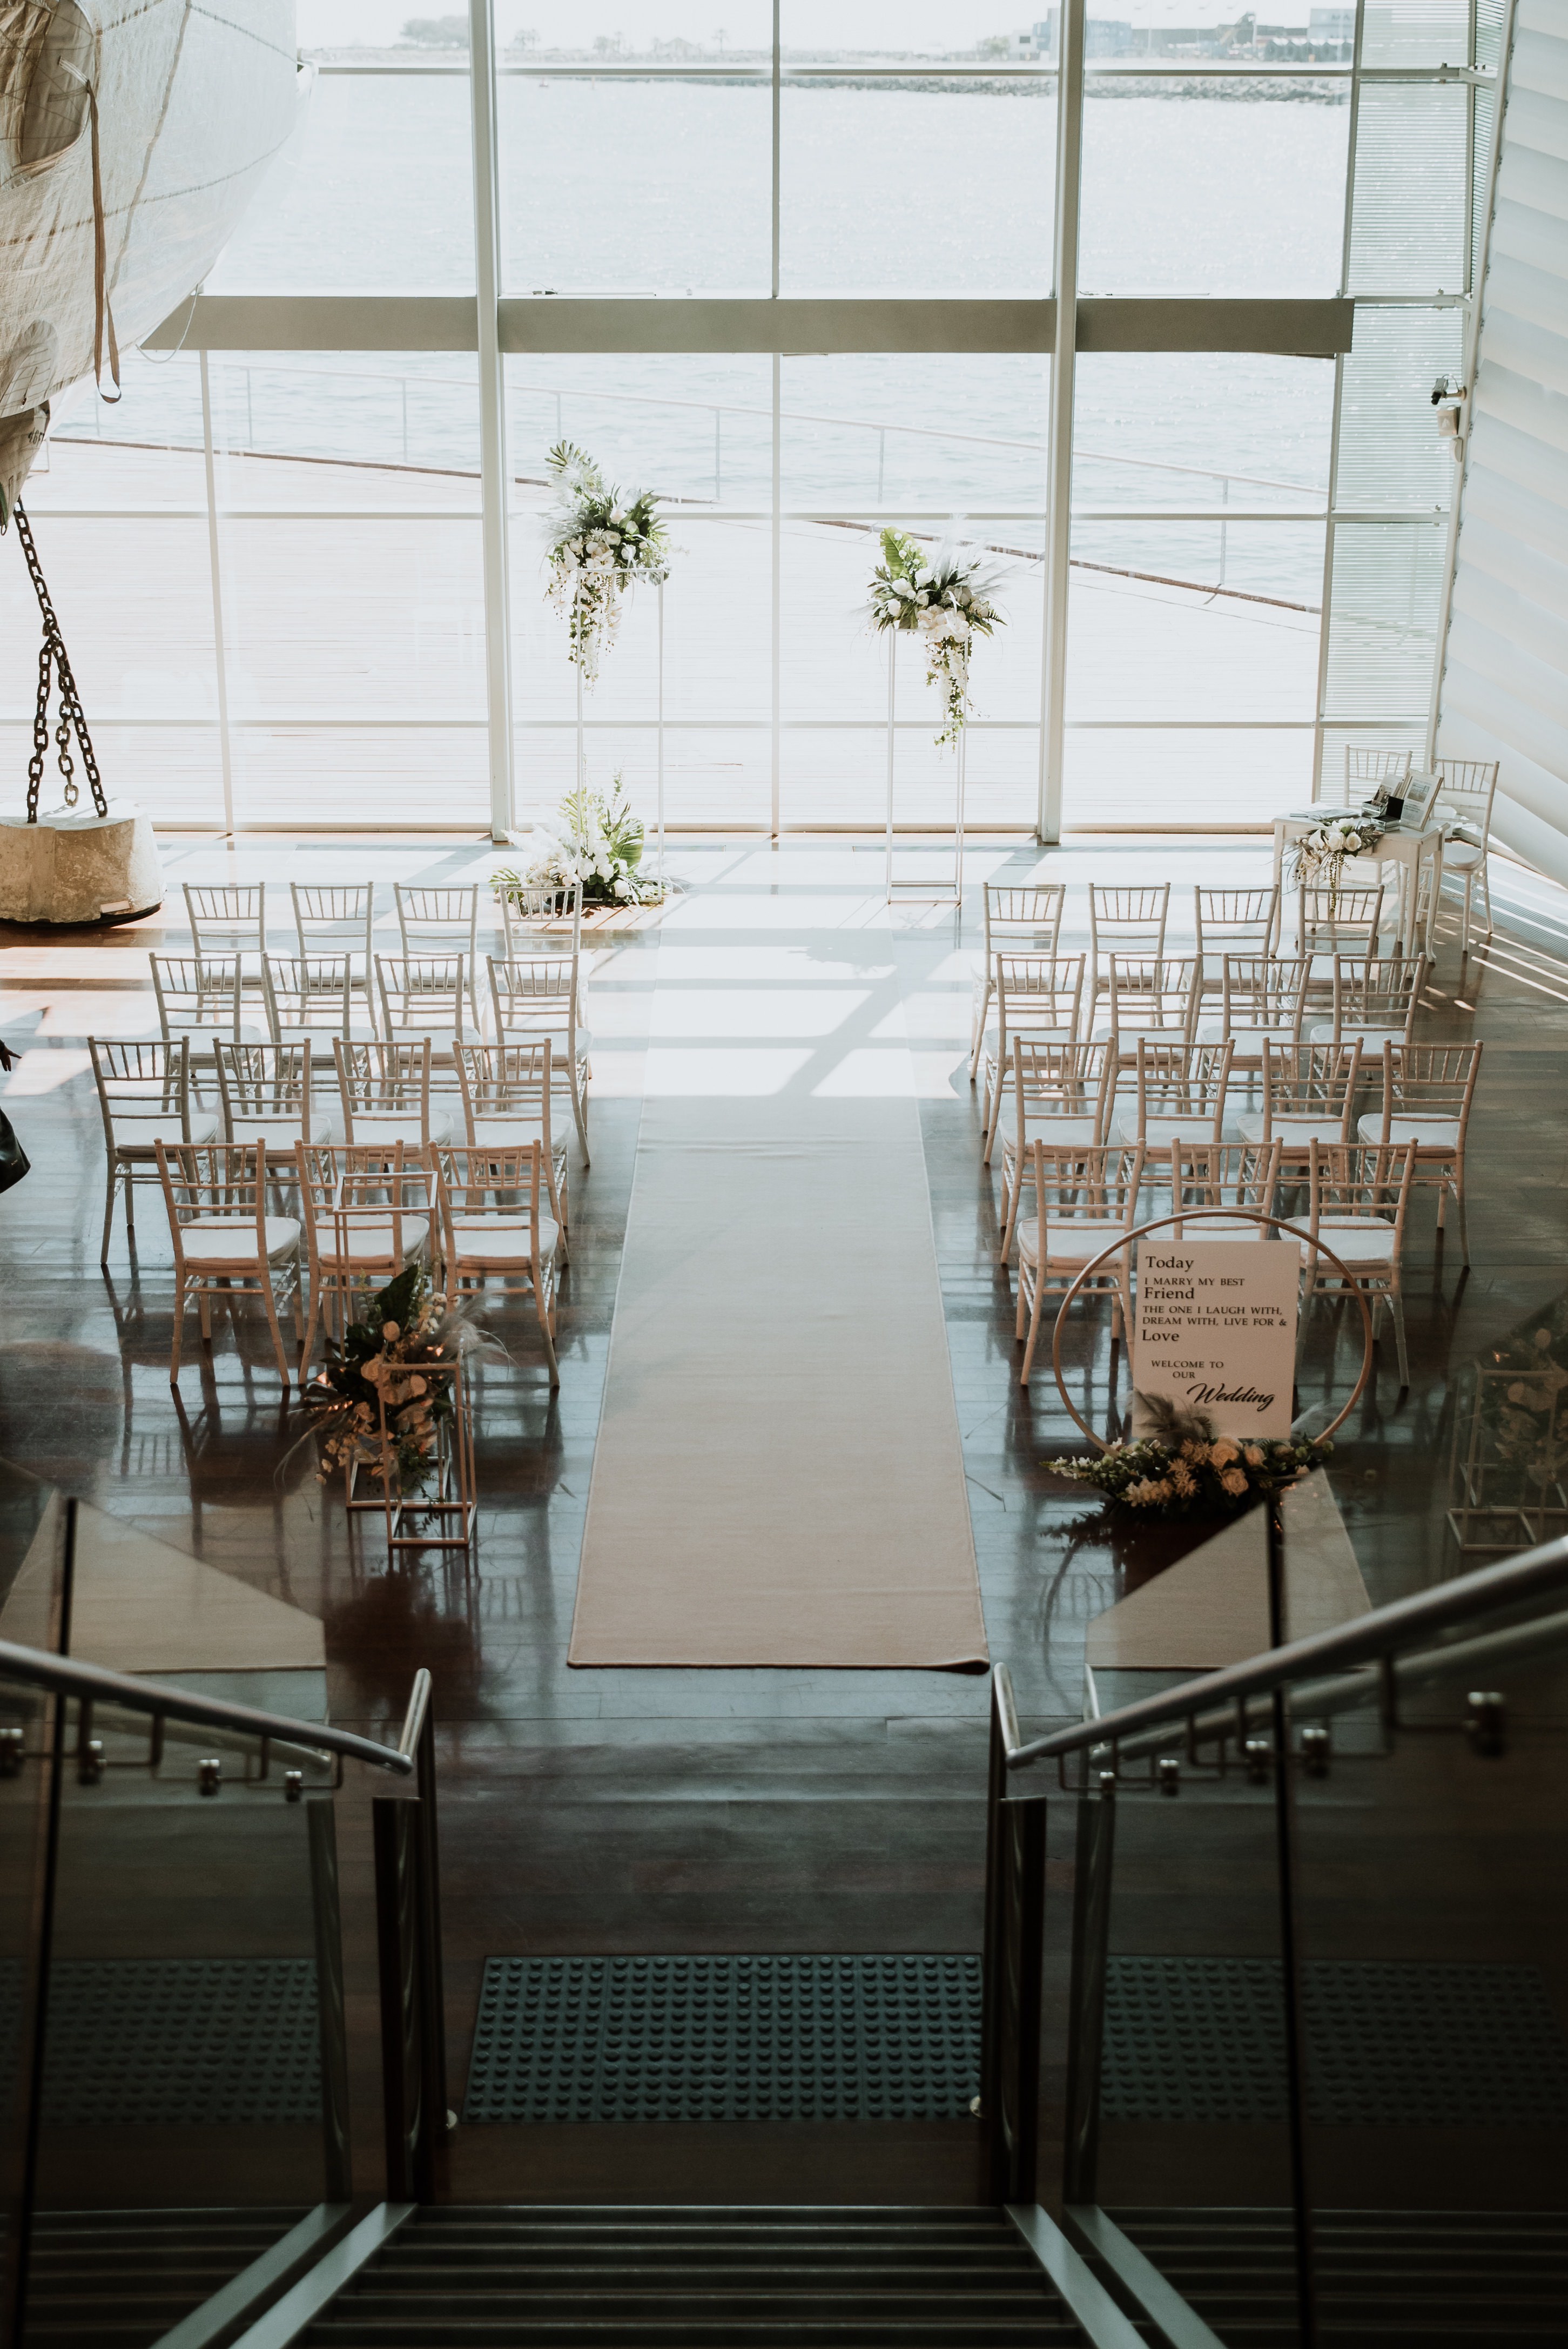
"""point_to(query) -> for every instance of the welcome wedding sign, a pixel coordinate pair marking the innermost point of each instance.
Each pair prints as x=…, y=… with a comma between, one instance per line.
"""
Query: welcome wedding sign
x=1216, y=1330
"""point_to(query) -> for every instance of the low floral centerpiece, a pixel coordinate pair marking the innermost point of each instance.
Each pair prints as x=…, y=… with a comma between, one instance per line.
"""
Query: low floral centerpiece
x=595, y=843
x=1182, y=1469
x=602, y=540
x=947, y=600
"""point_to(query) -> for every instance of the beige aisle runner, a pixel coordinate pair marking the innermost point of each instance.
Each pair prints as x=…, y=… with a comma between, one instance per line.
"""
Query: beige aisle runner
x=778, y=1478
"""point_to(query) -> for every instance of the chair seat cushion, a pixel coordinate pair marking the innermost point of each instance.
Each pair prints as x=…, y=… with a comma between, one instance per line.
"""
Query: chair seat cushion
x=1425, y=1132
x=203, y=1128
x=1371, y=1039
x=1159, y=1132
x=1360, y=1240
x=494, y=1243
x=1459, y=855
x=1295, y=1132
x=214, y=1240
x=367, y=1243
x=385, y=1131
x=1246, y=1040
x=1063, y=1132
x=1069, y=1242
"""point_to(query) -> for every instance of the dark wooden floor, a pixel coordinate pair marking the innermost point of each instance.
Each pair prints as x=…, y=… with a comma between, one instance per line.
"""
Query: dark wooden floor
x=664, y=1810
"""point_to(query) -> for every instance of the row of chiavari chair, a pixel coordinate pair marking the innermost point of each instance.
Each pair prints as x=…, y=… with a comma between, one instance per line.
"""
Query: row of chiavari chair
x=324, y=1091
x=1088, y=1199
x=314, y=1225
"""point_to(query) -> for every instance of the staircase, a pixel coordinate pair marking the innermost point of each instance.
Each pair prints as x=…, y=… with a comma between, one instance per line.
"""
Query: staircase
x=120, y=2279
x=617, y=2276
x=1432, y=2280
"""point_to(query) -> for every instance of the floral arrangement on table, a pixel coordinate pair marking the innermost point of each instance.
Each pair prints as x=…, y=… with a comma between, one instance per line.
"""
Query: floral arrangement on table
x=384, y=1360
x=1319, y=858
x=597, y=843
x=602, y=542
x=1184, y=1470
x=947, y=600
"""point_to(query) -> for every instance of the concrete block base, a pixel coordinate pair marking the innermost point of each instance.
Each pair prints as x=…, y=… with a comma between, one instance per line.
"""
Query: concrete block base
x=73, y=869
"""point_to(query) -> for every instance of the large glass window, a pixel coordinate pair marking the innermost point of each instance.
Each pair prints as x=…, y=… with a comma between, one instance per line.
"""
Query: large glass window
x=1255, y=561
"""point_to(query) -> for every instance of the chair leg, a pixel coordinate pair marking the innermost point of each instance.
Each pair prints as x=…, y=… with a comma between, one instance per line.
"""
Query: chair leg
x=1397, y=1314
x=1486, y=892
x=1035, y=1320
x=978, y=1038
x=108, y=1210
x=580, y=1115
x=1021, y=1317
x=179, y=1328
x=271, y=1302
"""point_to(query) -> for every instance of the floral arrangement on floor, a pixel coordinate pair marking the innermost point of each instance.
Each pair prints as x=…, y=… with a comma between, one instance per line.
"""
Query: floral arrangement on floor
x=947, y=600
x=1319, y=858
x=384, y=1359
x=598, y=843
x=602, y=542
x=1184, y=1470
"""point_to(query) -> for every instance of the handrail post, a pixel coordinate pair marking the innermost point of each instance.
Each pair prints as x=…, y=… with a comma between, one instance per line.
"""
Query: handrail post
x=1013, y=1969
x=396, y=1832
x=431, y=1971
x=991, y=1964
x=1087, y=1990
x=337, y=2174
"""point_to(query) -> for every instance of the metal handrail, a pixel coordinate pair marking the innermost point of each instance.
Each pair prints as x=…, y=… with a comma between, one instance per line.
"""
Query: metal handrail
x=1366, y=1640
x=96, y=1684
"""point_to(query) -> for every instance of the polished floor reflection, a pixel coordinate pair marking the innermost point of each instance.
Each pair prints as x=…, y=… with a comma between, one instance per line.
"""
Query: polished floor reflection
x=667, y=1809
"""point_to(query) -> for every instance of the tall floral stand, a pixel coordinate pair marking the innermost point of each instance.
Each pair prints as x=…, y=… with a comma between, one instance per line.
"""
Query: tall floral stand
x=443, y=1516
x=921, y=889
x=661, y=731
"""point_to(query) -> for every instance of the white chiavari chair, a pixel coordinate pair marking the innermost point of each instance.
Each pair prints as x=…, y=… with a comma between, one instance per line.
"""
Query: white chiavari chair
x=1375, y=1001
x=266, y=1090
x=309, y=995
x=1124, y=921
x=1148, y=996
x=1218, y=1174
x=1262, y=1000
x=201, y=1000
x=508, y=1097
x=144, y=1098
x=1180, y=1094
x=1360, y=1198
x=339, y=920
x=226, y=1244
x=1060, y=1096
x=1085, y=1200
x=1025, y=920
x=1233, y=922
x=1427, y=1094
x=495, y=1228
x=370, y=1210
x=1466, y=789
x=1039, y=997
x=385, y=1089
x=539, y=998
x=1339, y=921
x=442, y=922
x=231, y=919
x=424, y=995
x=1308, y=1095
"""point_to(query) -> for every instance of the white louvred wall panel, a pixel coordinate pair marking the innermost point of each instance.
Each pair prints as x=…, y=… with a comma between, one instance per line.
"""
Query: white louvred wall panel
x=1504, y=692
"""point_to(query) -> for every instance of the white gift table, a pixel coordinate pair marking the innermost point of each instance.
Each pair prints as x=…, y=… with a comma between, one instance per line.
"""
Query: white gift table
x=1409, y=850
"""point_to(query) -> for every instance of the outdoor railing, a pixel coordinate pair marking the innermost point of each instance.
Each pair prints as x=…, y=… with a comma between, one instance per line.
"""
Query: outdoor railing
x=1237, y=1960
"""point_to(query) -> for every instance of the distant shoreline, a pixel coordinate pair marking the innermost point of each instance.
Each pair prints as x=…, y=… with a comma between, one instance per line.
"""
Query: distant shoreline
x=1264, y=87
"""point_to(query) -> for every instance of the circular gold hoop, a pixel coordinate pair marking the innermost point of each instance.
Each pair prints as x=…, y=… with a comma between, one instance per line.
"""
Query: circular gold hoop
x=1194, y=1215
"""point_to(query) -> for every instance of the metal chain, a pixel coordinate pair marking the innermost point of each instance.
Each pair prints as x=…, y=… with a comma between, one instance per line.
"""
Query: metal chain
x=71, y=717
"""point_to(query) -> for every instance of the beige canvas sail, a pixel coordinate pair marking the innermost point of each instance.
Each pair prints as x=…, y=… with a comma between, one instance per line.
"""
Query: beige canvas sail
x=132, y=133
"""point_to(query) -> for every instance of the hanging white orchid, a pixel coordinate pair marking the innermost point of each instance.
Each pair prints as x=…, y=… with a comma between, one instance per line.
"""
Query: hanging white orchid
x=947, y=602
x=601, y=543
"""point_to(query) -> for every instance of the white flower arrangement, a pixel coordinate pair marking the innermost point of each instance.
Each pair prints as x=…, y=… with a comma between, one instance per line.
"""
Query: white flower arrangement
x=599, y=846
x=1319, y=858
x=947, y=600
x=602, y=542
